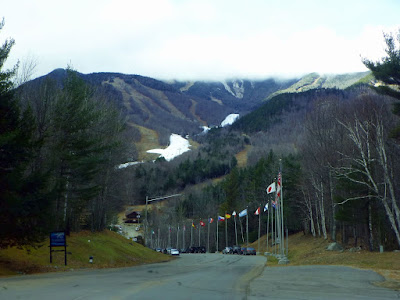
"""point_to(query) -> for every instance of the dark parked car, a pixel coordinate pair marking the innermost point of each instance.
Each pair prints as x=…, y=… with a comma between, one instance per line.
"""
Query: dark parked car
x=194, y=249
x=243, y=250
x=250, y=251
x=236, y=249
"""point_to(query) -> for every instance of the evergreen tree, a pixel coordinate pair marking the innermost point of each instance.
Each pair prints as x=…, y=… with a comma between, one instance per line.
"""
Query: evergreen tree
x=23, y=205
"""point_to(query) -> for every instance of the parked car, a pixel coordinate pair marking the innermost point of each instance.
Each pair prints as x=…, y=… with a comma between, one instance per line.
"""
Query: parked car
x=227, y=250
x=158, y=250
x=236, y=249
x=174, y=252
x=195, y=249
x=250, y=251
x=243, y=250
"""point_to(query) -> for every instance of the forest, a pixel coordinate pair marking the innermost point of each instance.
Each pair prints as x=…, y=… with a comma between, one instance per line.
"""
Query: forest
x=336, y=150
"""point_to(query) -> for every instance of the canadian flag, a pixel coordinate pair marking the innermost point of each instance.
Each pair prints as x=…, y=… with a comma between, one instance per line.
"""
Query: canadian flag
x=202, y=223
x=257, y=212
x=271, y=188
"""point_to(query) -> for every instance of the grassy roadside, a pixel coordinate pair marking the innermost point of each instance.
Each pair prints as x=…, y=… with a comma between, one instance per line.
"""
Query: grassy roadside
x=107, y=248
x=306, y=250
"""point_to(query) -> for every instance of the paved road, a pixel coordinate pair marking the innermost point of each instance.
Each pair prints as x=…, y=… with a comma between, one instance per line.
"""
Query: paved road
x=200, y=276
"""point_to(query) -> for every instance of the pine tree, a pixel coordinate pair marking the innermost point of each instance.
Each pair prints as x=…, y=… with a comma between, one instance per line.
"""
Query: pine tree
x=23, y=205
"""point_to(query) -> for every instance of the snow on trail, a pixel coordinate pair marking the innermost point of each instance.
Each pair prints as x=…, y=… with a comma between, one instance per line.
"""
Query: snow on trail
x=229, y=120
x=177, y=146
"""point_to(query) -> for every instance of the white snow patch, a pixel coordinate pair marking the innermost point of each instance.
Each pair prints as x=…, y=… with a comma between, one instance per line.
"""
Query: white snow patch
x=128, y=164
x=177, y=146
x=238, y=88
x=205, y=129
x=229, y=120
x=228, y=88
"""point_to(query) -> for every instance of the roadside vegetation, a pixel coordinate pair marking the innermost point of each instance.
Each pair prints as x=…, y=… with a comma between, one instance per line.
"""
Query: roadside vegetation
x=108, y=249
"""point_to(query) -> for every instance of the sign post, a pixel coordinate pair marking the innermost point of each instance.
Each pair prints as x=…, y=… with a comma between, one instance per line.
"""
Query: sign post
x=58, y=239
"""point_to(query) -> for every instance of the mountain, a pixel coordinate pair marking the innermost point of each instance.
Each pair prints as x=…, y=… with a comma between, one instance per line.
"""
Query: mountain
x=156, y=109
x=317, y=81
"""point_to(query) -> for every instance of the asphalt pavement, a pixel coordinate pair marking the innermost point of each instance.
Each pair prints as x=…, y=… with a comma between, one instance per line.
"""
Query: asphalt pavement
x=201, y=276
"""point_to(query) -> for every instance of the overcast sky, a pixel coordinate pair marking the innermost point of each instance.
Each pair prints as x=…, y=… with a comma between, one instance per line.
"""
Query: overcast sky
x=199, y=39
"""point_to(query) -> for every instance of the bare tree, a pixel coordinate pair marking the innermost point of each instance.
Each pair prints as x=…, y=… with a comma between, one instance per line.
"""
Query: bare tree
x=370, y=162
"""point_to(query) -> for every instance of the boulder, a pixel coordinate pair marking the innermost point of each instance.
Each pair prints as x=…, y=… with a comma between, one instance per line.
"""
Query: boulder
x=334, y=247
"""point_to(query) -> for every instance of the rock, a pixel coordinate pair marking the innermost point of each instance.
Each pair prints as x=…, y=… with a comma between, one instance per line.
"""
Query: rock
x=334, y=247
x=355, y=249
x=283, y=261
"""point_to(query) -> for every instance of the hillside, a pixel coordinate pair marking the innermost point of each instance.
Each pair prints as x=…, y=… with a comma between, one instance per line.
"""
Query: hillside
x=317, y=81
x=184, y=107
x=107, y=248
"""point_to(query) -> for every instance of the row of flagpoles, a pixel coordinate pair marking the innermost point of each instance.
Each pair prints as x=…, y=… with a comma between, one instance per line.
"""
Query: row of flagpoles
x=275, y=216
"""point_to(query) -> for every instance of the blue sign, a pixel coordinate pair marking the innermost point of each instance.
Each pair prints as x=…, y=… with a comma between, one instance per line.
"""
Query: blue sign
x=57, y=238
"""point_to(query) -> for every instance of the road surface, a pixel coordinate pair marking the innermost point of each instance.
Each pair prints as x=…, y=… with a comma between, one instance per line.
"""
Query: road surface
x=200, y=276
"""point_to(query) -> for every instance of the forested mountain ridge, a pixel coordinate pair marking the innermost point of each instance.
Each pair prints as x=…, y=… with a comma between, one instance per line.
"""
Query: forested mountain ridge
x=317, y=81
x=184, y=107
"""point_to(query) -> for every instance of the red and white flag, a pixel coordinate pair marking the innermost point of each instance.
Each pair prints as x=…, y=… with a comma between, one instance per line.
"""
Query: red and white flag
x=271, y=188
x=279, y=183
x=257, y=212
x=234, y=213
x=202, y=223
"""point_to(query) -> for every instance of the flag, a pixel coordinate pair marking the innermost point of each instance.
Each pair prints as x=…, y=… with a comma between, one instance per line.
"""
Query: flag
x=210, y=220
x=279, y=188
x=234, y=213
x=194, y=226
x=202, y=223
x=227, y=216
x=243, y=213
x=266, y=207
x=152, y=232
x=257, y=212
x=273, y=204
x=271, y=188
x=221, y=218
x=184, y=227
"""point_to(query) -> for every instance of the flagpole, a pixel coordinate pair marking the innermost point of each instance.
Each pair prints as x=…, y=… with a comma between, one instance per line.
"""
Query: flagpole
x=247, y=226
x=281, y=210
x=259, y=227
x=226, y=231
x=275, y=228
x=234, y=218
x=208, y=236
x=183, y=236
x=241, y=229
x=217, y=233
x=177, y=238
x=269, y=207
x=199, y=234
x=169, y=236
x=191, y=234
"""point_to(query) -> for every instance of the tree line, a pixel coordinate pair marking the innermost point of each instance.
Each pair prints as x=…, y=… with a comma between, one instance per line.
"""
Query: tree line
x=59, y=144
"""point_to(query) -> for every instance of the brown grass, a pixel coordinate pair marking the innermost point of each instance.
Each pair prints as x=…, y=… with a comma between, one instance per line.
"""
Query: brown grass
x=242, y=156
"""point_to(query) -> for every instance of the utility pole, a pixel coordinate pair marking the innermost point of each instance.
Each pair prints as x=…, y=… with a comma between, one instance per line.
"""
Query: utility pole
x=147, y=202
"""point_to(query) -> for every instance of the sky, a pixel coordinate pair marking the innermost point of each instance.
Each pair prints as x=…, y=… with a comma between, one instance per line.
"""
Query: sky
x=199, y=39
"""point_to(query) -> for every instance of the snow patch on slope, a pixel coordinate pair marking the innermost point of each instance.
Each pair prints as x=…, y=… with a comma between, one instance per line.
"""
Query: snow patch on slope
x=238, y=88
x=229, y=120
x=177, y=146
x=128, y=164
